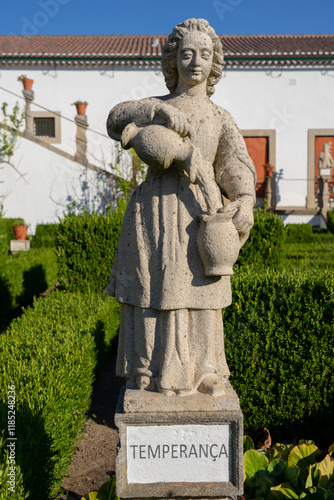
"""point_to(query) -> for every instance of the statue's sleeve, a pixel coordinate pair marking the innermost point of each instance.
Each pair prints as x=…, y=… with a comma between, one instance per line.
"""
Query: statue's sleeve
x=139, y=112
x=234, y=169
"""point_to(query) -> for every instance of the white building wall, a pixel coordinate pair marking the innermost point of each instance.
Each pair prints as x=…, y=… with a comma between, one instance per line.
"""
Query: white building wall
x=46, y=184
x=291, y=101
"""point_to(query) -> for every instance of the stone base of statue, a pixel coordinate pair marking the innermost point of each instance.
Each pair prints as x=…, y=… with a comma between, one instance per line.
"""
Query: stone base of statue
x=179, y=446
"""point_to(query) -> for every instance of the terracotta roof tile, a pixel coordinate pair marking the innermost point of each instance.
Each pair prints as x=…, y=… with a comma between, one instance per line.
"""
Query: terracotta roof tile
x=134, y=48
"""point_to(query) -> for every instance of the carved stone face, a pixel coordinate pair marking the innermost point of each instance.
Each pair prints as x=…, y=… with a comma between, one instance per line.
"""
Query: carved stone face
x=194, y=58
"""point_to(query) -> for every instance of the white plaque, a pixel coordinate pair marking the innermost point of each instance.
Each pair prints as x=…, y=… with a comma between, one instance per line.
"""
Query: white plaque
x=178, y=453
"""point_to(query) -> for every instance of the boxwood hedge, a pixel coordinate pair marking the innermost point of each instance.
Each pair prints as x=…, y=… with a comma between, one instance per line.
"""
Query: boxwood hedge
x=49, y=355
x=85, y=247
x=280, y=350
x=24, y=275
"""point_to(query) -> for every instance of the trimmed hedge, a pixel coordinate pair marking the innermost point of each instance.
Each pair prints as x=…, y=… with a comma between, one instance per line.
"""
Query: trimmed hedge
x=305, y=233
x=45, y=236
x=85, y=246
x=24, y=275
x=264, y=245
x=9, y=223
x=7, y=233
x=330, y=221
x=299, y=233
x=4, y=244
x=280, y=350
x=49, y=355
x=316, y=255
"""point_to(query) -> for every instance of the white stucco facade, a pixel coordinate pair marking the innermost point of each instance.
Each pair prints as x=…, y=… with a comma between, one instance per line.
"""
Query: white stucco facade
x=288, y=101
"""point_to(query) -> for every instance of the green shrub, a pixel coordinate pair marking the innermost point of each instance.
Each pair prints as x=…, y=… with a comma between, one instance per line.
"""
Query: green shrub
x=330, y=221
x=264, y=245
x=24, y=275
x=5, y=462
x=280, y=350
x=9, y=223
x=4, y=243
x=288, y=471
x=299, y=233
x=49, y=355
x=316, y=255
x=86, y=244
x=45, y=236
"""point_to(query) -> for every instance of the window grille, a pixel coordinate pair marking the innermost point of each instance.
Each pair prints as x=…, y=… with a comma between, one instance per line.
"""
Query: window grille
x=44, y=127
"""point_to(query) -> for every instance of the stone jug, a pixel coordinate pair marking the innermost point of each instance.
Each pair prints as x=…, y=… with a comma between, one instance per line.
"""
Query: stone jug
x=218, y=243
x=154, y=144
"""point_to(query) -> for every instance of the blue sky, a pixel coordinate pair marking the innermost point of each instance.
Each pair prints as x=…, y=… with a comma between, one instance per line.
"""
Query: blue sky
x=89, y=17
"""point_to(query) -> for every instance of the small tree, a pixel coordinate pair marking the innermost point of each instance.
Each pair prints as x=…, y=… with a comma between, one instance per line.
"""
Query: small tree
x=128, y=180
x=11, y=122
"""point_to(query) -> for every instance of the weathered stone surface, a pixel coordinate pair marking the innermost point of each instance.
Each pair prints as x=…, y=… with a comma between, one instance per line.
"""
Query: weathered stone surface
x=175, y=453
x=19, y=246
x=179, y=421
x=152, y=402
x=172, y=267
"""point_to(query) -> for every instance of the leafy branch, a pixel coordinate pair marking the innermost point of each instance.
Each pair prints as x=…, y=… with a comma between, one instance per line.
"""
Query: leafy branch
x=11, y=122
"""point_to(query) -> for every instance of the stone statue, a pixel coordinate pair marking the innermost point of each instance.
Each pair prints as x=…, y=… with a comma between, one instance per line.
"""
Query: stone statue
x=325, y=165
x=171, y=289
x=325, y=160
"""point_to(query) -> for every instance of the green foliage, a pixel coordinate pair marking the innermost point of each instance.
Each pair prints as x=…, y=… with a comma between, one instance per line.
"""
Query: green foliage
x=86, y=245
x=287, y=471
x=11, y=122
x=106, y=492
x=24, y=275
x=264, y=245
x=4, y=245
x=305, y=233
x=330, y=222
x=137, y=174
x=9, y=223
x=317, y=255
x=5, y=460
x=49, y=355
x=299, y=233
x=279, y=347
x=45, y=236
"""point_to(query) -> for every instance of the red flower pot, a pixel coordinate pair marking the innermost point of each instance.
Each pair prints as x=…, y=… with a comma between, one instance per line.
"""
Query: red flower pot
x=81, y=108
x=20, y=232
x=27, y=83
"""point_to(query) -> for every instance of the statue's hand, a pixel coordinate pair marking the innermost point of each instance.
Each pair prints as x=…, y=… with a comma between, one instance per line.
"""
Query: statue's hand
x=243, y=218
x=174, y=118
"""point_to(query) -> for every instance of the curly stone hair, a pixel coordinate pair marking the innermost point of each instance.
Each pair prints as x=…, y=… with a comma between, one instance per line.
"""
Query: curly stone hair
x=169, y=53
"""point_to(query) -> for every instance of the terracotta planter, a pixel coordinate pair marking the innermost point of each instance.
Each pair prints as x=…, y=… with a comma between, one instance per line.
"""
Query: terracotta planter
x=27, y=83
x=268, y=169
x=20, y=232
x=81, y=108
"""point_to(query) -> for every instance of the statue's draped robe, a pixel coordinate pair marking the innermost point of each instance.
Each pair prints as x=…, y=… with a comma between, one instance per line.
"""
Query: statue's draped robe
x=171, y=321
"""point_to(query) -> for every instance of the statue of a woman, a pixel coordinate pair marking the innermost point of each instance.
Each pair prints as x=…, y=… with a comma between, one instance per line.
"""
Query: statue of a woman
x=171, y=332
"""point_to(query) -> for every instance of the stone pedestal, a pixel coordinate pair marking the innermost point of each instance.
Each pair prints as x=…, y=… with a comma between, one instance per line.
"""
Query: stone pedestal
x=179, y=446
x=19, y=246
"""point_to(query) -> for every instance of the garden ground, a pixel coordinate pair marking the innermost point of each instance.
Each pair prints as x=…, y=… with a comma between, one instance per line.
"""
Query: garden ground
x=93, y=462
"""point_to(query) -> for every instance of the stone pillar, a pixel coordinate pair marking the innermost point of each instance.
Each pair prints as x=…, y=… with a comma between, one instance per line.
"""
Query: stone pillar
x=29, y=97
x=268, y=191
x=81, y=139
